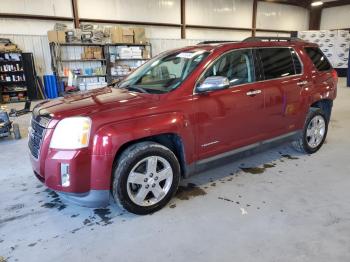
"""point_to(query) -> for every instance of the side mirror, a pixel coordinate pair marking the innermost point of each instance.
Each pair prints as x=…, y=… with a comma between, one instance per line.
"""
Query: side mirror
x=213, y=83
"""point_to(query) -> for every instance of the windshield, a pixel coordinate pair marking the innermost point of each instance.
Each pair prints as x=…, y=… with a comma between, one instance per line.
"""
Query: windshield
x=165, y=72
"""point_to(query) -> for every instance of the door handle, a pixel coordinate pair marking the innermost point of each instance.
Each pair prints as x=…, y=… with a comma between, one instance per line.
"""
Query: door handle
x=302, y=83
x=253, y=92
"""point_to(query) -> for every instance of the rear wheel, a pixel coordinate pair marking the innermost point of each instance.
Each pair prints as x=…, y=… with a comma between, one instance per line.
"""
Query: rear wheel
x=145, y=177
x=314, y=132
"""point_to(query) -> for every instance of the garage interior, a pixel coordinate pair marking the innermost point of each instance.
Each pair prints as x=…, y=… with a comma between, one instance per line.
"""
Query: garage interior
x=275, y=205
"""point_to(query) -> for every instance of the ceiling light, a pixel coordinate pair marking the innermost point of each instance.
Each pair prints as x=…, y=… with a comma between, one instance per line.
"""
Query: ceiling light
x=317, y=3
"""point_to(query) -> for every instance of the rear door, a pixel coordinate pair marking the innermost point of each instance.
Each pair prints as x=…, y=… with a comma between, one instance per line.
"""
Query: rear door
x=283, y=84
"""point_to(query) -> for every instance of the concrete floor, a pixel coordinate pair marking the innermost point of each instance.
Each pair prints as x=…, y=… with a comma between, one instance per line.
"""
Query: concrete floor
x=288, y=207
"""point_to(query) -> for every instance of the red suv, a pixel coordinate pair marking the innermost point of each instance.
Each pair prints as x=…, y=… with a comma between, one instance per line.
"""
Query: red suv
x=179, y=111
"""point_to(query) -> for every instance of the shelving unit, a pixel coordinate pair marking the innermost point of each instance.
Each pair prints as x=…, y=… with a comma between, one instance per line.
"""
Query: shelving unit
x=87, y=72
x=68, y=57
x=115, y=60
x=13, y=84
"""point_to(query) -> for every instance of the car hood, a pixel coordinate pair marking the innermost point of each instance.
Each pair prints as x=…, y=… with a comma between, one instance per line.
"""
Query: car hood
x=95, y=101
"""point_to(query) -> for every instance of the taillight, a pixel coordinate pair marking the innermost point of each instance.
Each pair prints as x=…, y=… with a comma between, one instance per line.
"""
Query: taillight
x=335, y=76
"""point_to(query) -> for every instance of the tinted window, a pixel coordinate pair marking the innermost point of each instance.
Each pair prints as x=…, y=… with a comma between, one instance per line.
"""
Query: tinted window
x=276, y=62
x=318, y=58
x=297, y=64
x=237, y=66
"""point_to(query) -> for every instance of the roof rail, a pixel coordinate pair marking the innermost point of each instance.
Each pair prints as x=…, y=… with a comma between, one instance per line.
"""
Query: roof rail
x=271, y=38
x=215, y=42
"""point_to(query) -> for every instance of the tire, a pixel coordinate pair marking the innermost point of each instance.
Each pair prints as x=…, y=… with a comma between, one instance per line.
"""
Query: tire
x=304, y=143
x=16, y=132
x=146, y=177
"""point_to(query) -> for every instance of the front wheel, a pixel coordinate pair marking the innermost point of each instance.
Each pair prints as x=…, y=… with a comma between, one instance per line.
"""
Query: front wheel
x=314, y=132
x=146, y=176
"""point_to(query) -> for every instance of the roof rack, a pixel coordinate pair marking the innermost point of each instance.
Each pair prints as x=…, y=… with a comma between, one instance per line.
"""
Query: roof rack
x=215, y=42
x=271, y=38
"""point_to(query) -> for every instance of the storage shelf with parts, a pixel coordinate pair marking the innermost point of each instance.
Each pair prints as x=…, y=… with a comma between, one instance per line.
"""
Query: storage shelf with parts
x=81, y=60
x=88, y=66
x=83, y=76
x=81, y=65
x=13, y=84
x=122, y=59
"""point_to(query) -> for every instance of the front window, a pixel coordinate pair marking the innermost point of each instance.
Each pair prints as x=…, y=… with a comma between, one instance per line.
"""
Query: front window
x=165, y=72
x=237, y=66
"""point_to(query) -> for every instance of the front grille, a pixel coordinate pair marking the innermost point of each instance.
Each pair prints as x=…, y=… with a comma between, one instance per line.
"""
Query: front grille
x=36, y=134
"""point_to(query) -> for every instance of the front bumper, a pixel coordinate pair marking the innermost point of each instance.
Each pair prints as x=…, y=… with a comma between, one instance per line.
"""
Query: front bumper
x=93, y=198
x=89, y=175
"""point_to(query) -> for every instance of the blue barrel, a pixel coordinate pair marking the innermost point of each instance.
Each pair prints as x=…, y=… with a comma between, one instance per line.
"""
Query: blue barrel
x=47, y=86
x=54, y=87
x=51, y=86
x=348, y=71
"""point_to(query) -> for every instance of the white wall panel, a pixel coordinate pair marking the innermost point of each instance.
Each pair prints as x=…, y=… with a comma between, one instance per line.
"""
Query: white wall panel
x=335, y=17
x=209, y=34
x=230, y=13
x=162, y=11
x=37, y=7
x=161, y=45
x=27, y=26
x=272, y=34
x=282, y=17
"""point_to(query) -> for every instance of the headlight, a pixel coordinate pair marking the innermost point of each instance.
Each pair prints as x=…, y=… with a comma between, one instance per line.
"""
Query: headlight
x=71, y=133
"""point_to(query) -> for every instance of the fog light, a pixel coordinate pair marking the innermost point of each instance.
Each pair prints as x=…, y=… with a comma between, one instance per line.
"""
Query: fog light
x=65, y=181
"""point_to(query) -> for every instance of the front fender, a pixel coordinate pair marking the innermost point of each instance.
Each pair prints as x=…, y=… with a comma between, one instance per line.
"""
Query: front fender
x=110, y=138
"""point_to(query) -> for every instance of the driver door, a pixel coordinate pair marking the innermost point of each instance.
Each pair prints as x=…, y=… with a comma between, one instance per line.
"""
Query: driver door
x=229, y=118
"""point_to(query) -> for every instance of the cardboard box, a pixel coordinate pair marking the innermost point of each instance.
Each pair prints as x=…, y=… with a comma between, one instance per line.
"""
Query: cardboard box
x=145, y=54
x=116, y=35
x=98, y=54
x=92, y=53
x=88, y=55
x=8, y=48
x=139, y=35
x=125, y=53
x=5, y=98
x=128, y=36
x=56, y=36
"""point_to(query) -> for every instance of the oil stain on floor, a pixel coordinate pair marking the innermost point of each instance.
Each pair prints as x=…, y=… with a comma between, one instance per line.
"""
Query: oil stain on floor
x=189, y=191
x=257, y=170
x=55, y=201
x=103, y=214
x=289, y=157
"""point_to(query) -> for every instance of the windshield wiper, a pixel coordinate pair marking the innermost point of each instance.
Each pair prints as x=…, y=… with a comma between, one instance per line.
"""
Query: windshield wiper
x=136, y=88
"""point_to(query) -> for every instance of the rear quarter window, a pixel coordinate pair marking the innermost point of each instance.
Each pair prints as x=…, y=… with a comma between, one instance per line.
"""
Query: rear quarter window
x=318, y=58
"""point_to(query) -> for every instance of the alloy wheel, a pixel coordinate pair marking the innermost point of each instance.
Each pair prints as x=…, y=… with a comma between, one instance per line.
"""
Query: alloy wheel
x=149, y=181
x=315, y=131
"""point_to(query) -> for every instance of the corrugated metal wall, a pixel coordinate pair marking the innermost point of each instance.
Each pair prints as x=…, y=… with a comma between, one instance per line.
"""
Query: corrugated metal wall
x=39, y=46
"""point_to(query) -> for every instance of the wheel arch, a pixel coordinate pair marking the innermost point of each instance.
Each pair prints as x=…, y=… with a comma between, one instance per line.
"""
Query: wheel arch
x=172, y=141
x=326, y=106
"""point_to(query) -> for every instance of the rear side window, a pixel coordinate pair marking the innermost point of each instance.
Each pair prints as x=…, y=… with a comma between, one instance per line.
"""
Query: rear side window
x=318, y=58
x=276, y=62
